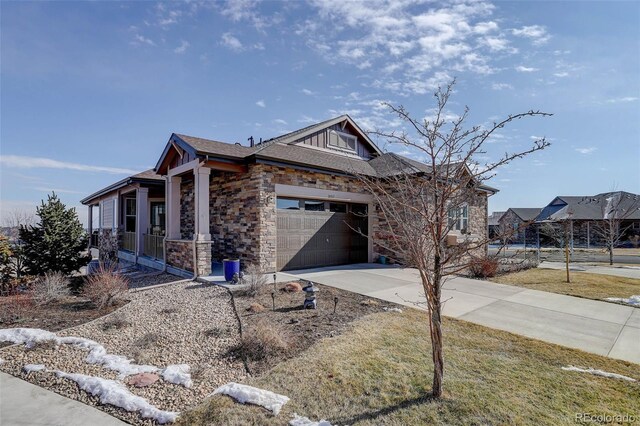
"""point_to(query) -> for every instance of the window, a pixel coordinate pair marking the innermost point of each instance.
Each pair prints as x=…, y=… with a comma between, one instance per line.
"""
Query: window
x=158, y=213
x=287, y=204
x=107, y=213
x=342, y=140
x=130, y=215
x=337, y=208
x=314, y=206
x=459, y=219
x=359, y=209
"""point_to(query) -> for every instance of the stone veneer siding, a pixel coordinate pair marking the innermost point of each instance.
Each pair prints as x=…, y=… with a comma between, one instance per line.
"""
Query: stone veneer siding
x=187, y=209
x=243, y=211
x=180, y=255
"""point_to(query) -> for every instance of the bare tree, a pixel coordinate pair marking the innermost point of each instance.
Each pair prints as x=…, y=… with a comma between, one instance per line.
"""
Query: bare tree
x=12, y=221
x=618, y=208
x=423, y=207
x=16, y=218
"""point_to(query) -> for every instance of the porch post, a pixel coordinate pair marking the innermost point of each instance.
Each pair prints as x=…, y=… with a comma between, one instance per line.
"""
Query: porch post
x=90, y=225
x=201, y=192
x=142, y=218
x=173, y=207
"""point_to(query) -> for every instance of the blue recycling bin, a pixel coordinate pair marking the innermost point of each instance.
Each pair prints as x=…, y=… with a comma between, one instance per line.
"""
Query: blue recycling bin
x=230, y=268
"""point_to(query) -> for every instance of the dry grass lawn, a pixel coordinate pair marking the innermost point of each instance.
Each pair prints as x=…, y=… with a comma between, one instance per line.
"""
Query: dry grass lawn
x=379, y=373
x=591, y=286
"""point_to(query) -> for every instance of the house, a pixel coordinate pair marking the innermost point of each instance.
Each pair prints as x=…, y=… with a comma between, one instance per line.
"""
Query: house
x=518, y=222
x=587, y=215
x=493, y=224
x=290, y=202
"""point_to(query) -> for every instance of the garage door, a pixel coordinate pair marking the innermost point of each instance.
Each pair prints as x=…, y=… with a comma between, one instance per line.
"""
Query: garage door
x=314, y=233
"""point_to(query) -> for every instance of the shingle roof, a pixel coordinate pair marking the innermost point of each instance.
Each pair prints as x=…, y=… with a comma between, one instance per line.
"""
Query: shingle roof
x=526, y=213
x=624, y=204
x=493, y=218
x=208, y=146
x=148, y=175
x=314, y=158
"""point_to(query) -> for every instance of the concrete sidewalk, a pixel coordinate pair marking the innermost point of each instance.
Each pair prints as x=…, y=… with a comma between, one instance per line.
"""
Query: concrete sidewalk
x=619, y=271
x=24, y=404
x=598, y=327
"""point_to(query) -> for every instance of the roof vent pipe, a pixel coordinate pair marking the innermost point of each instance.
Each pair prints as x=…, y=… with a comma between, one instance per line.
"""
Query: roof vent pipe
x=250, y=141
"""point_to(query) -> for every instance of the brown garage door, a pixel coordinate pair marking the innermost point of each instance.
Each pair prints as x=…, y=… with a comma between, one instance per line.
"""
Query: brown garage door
x=315, y=233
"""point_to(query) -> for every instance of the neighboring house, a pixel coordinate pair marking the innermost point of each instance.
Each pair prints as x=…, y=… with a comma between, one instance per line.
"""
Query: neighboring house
x=518, y=222
x=286, y=203
x=493, y=224
x=586, y=215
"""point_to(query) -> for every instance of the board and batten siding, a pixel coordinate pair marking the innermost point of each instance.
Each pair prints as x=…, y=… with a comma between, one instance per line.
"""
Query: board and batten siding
x=107, y=213
x=320, y=139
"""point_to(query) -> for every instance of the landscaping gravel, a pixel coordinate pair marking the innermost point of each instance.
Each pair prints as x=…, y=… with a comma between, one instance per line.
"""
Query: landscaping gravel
x=182, y=323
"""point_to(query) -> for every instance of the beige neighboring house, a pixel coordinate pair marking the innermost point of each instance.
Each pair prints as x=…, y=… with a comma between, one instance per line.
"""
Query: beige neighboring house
x=290, y=202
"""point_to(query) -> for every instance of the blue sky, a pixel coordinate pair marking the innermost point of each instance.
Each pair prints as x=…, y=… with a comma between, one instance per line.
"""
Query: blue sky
x=91, y=91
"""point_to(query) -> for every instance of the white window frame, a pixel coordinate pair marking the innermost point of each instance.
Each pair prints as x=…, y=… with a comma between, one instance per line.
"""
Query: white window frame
x=346, y=136
x=460, y=218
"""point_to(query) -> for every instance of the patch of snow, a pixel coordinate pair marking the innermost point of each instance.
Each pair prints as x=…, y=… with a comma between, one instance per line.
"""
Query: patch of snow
x=243, y=394
x=33, y=367
x=28, y=336
x=599, y=373
x=386, y=309
x=633, y=300
x=115, y=393
x=178, y=374
x=304, y=421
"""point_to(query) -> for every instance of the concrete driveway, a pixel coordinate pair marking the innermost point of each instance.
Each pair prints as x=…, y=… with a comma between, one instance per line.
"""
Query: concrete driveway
x=598, y=327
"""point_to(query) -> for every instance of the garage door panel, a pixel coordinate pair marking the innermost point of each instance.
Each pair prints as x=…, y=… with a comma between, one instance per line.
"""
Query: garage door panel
x=319, y=238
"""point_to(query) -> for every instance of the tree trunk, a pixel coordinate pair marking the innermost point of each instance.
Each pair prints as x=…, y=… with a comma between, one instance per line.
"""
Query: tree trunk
x=566, y=252
x=435, y=329
x=610, y=255
x=436, y=352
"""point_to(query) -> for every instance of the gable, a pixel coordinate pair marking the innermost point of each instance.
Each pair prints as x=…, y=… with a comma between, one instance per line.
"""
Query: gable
x=339, y=138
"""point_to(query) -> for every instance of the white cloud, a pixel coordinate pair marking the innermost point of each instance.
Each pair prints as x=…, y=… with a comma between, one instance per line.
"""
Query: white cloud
x=280, y=121
x=561, y=74
x=308, y=92
x=622, y=99
x=261, y=103
x=57, y=190
x=22, y=162
x=536, y=33
x=305, y=119
x=522, y=68
x=182, y=48
x=232, y=42
x=588, y=150
x=501, y=86
x=139, y=39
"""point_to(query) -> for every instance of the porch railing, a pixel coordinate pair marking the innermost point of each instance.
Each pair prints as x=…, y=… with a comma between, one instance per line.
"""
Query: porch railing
x=153, y=246
x=129, y=241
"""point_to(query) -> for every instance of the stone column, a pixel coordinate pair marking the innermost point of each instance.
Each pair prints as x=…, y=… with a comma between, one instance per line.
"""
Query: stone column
x=173, y=207
x=201, y=204
x=142, y=218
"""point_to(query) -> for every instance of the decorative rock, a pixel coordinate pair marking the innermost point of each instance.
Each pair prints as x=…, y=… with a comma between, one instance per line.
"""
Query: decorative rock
x=143, y=379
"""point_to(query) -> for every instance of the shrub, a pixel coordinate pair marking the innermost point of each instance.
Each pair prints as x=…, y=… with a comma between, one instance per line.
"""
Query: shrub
x=263, y=340
x=106, y=287
x=293, y=287
x=256, y=308
x=217, y=332
x=147, y=341
x=49, y=288
x=254, y=279
x=115, y=322
x=485, y=267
